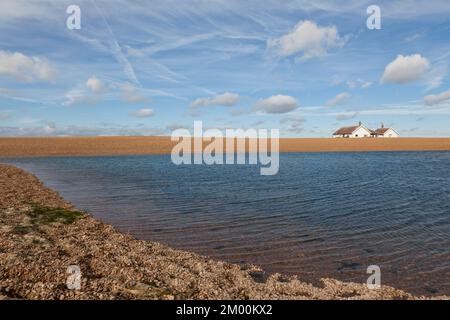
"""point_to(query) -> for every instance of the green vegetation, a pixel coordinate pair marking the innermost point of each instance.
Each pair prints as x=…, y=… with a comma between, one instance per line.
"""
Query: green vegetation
x=45, y=215
x=21, y=230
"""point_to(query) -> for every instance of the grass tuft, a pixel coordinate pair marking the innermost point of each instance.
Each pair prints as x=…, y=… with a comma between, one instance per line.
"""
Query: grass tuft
x=46, y=215
x=21, y=230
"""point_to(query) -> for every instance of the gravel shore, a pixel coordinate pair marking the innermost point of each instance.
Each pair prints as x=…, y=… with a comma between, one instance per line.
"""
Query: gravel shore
x=41, y=235
x=108, y=146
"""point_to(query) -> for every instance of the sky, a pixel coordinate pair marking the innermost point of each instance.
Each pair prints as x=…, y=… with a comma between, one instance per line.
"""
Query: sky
x=306, y=67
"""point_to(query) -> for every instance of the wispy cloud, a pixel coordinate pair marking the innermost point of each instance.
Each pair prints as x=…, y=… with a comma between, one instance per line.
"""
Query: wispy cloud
x=225, y=99
x=117, y=50
x=133, y=52
x=142, y=113
x=171, y=53
x=435, y=99
x=293, y=124
x=435, y=77
x=131, y=94
x=51, y=129
x=339, y=99
x=353, y=84
x=346, y=115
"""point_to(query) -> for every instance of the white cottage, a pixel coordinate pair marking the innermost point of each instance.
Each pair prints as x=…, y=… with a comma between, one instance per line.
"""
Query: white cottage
x=386, y=132
x=358, y=131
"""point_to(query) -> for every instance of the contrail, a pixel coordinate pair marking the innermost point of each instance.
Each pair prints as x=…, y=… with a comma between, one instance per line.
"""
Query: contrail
x=117, y=51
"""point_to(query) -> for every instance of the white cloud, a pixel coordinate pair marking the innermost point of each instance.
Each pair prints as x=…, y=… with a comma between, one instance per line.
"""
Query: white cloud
x=11, y=10
x=50, y=129
x=405, y=69
x=88, y=92
x=133, y=52
x=73, y=96
x=307, y=39
x=436, y=76
x=358, y=84
x=432, y=100
x=226, y=99
x=142, y=113
x=276, y=104
x=131, y=95
x=340, y=98
x=95, y=85
x=335, y=82
x=414, y=37
x=25, y=68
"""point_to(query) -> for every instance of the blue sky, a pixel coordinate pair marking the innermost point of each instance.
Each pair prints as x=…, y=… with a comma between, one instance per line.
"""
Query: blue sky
x=148, y=67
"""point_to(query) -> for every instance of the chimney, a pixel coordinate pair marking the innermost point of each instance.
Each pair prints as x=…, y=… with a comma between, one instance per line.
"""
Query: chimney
x=382, y=125
x=360, y=123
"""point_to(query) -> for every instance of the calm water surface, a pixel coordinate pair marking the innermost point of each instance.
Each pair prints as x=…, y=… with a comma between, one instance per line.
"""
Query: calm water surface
x=323, y=215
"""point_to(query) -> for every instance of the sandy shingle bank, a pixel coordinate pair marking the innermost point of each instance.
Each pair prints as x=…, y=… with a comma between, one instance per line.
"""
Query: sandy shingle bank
x=106, y=146
x=37, y=245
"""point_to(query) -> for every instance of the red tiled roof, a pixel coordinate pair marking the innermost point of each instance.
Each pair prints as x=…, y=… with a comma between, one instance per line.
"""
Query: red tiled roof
x=381, y=130
x=345, y=130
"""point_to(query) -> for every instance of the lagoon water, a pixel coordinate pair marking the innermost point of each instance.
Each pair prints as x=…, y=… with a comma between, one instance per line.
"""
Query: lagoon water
x=323, y=215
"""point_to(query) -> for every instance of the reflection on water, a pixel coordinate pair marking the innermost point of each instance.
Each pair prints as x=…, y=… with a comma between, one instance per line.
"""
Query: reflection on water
x=323, y=215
